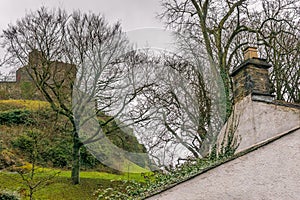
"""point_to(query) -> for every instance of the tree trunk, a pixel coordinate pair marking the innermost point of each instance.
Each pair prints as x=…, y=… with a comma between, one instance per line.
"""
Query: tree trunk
x=76, y=159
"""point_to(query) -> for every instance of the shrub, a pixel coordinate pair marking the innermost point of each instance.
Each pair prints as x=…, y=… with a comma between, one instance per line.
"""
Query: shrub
x=58, y=153
x=32, y=143
x=55, y=151
x=24, y=142
x=87, y=159
x=8, y=195
x=16, y=117
x=23, y=104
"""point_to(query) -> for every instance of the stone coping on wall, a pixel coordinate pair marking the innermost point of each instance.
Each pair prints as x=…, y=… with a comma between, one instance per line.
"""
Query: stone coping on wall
x=269, y=99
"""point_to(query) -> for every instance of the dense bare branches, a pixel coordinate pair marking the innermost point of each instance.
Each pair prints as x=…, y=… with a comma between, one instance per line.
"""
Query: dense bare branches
x=224, y=28
x=77, y=54
x=279, y=42
x=177, y=102
x=214, y=33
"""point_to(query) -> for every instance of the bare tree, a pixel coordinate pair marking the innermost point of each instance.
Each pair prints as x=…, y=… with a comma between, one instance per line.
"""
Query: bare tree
x=31, y=145
x=211, y=37
x=3, y=63
x=79, y=56
x=105, y=80
x=279, y=42
x=222, y=28
x=177, y=102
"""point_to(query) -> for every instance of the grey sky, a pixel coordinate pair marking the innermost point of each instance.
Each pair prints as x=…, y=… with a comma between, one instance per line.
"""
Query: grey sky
x=137, y=17
x=132, y=13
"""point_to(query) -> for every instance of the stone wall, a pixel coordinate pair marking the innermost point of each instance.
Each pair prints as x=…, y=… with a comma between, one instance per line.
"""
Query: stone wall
x=257, y=121
x=57, y=74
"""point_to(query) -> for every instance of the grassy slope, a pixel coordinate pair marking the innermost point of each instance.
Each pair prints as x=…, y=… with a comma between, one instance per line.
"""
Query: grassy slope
x=132, y=144
x=60, y=187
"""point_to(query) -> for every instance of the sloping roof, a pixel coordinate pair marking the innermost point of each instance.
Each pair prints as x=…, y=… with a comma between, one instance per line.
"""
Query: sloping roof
x=267, y=161
x=270, y=172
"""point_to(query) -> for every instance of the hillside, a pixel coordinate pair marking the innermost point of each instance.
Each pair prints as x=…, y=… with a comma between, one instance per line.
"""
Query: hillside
x=19, y=117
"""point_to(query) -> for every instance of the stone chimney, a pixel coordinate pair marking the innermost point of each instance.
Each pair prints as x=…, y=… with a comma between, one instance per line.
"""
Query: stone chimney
x=251, y=77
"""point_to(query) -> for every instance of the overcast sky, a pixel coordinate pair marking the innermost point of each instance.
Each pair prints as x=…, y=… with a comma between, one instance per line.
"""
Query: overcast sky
x=138, y=17
x=132, y=13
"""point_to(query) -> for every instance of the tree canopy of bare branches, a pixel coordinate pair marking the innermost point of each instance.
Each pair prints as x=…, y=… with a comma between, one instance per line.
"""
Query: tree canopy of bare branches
x=75, y=55
x=221, y=29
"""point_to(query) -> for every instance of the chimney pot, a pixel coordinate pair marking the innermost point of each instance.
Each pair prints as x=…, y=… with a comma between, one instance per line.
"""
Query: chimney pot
x=250, y=52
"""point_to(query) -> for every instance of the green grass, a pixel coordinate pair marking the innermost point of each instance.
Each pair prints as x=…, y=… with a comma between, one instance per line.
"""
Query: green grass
x=60, y=187
x=105, y=176
x=91, y=174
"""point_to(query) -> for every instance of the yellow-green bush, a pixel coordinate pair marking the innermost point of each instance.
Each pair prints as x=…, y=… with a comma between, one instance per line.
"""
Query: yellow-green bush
x=23, y=104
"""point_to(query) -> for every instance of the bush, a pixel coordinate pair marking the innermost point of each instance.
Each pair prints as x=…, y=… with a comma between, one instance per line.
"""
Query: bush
x=58, y=153
x=32, y=105
x=25, y=142
x=87, y=159
x=31, y=144
x=7, y=195
x=16, y=117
